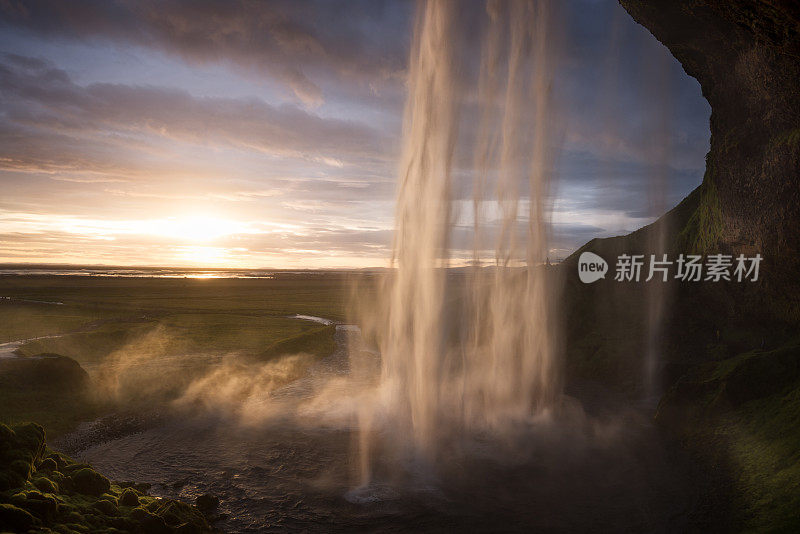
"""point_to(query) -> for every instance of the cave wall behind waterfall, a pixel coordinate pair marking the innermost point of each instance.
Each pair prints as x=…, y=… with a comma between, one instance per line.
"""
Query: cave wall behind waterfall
x=746, y=56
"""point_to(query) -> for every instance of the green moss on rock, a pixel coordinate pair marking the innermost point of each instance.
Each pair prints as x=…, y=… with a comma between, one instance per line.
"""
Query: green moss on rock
x=742, y=412
x=45, y=484
x=129, y=498
x=107, y=507
x=21, y=448
x=703, y=231
x=90, y=482
x=68, y=497
x=16, y=518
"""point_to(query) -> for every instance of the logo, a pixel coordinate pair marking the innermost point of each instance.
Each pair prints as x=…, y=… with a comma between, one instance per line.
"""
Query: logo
x=591, y=267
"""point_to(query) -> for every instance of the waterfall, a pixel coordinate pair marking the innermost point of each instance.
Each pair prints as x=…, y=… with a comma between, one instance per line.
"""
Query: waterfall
x=475, y=352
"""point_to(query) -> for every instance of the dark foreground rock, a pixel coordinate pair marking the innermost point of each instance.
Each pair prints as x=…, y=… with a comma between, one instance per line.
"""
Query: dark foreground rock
x=45, y=491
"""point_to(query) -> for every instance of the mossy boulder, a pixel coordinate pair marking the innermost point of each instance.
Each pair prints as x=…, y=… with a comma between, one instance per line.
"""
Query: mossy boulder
x=45, y=484
x=41, y=505
x=60, y=460
x=21, y=446
x=129, y=498
x=48, y=464
x=107, y=507
x=45, y=491
x=14, y=517
x=90, y=482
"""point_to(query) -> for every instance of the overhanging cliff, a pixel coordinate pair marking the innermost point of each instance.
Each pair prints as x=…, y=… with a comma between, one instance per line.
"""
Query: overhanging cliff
x=746, y=56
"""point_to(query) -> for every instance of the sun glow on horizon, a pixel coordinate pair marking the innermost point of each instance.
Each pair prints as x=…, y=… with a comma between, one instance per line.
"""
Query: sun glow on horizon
x=200, y=255
x=196, y=228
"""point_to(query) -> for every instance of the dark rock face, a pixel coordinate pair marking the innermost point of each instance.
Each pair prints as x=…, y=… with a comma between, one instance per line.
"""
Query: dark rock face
x=746, y=56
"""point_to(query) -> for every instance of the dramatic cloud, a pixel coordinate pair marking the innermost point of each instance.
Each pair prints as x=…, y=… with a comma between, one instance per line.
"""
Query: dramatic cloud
x=41, y=97
x=280, y=123
x=286, y=40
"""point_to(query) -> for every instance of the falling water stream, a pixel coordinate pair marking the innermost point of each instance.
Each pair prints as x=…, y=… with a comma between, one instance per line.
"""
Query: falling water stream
x=493, y=365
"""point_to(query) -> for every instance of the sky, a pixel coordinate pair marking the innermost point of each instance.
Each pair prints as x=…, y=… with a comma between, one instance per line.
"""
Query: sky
x=266, y=134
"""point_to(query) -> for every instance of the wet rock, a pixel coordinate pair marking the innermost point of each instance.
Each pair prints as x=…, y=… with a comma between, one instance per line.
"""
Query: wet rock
x=176, y=513
x=141, y=487
x=207, y=502
x=90, y=482
x=218, y=517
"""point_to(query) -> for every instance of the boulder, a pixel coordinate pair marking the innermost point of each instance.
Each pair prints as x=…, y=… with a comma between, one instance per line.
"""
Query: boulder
x=107, y=507
x=47, y=465
x=207, y=502
x=129, y=498
x=90, y=482
x=16, y=518
x=21, y=447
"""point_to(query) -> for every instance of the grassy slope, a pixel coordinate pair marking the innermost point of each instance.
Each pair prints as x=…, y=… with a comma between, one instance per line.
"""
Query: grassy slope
x=56, y=411
x=743, y=413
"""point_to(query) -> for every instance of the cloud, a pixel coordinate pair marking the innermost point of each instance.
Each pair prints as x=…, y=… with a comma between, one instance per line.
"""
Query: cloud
x=44, y=97
x=317, y=156
x=283, y=40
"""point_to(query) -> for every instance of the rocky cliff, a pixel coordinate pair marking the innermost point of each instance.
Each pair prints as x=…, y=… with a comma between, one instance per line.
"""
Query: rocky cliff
x=746, y=56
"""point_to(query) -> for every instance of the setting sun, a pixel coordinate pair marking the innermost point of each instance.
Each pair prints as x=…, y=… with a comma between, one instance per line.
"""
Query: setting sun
x=196, y=228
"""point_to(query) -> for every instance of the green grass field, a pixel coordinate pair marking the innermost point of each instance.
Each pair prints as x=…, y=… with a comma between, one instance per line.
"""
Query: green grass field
x=173, y=327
